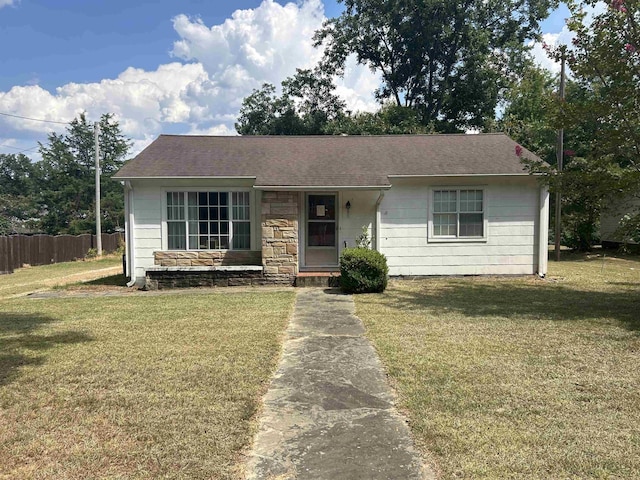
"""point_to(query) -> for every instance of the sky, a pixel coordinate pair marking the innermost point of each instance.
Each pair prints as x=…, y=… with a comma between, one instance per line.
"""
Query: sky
x=163, y=66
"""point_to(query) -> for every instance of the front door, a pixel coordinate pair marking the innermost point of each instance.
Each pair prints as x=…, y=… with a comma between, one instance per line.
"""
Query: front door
x=321, y=245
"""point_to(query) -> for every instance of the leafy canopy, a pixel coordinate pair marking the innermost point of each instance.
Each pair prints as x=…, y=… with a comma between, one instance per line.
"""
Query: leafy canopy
x=449, y=60
x=67, y=195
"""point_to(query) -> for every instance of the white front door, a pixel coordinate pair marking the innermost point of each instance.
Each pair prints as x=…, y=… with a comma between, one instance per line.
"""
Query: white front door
x=321, y=230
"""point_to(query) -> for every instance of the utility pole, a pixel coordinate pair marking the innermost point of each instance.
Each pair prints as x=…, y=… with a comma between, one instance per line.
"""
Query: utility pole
x=559, y=159
x=96, y=134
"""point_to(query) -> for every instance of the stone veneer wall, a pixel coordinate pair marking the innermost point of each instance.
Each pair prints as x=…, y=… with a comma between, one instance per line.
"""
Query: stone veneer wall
x=206, y=258
x=160, y=280
x=280, y=236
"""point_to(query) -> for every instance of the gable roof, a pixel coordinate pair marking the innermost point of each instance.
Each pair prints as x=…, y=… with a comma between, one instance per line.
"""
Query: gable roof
x=331, y=161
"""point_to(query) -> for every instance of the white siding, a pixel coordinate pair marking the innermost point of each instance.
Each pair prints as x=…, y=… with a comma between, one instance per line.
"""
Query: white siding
x=147, y=233
x=361, y=214
x=510, y=246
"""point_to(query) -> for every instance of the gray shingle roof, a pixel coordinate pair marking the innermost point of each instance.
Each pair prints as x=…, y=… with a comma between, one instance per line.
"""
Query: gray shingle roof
x=315, y=161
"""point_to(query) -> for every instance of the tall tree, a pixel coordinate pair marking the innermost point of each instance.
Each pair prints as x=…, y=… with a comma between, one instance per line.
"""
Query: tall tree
x=605, y=61
x=307, y=104
x=449, y=60
x=532, y=117
x=68, y=177
x=19, y=186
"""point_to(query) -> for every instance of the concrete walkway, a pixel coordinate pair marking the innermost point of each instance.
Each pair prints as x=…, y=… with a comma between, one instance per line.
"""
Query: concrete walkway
x=329, y=412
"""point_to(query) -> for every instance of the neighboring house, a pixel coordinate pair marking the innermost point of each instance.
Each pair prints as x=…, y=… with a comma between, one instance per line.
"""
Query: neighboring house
x=610, y=221
x=258, y=209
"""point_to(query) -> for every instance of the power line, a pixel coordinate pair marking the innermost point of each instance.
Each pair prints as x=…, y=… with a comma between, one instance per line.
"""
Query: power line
x=33, y=119
x=18, y=148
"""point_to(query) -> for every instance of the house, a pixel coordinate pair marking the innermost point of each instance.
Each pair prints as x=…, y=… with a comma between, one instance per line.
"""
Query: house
x=204, y=210
x=611, y=218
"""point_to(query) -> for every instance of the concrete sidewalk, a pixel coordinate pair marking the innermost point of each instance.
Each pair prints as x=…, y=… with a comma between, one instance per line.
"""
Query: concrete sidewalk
x=329, y=412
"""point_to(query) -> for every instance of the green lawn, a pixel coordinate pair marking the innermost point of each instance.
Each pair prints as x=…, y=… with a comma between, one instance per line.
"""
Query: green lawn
x=518, y=377
x=29, y=279
x=140, y=386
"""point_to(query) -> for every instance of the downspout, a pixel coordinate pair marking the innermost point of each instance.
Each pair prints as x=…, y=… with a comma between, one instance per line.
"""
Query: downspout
x=543, y=232
x=128, y=232
x=378, y=219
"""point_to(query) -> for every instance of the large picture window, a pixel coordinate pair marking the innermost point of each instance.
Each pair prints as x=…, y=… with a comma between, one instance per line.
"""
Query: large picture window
x=208, y=220
x=458, y=213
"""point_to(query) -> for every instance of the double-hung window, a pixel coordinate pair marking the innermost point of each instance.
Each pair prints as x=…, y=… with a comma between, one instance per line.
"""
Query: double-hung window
x=208, y=220
x=458, y=213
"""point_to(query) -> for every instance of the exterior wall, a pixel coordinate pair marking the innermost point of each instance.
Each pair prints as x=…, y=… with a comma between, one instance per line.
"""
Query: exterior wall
x=611, y=217
x=160, y=280
x=206, y=258
x=361, y=214
x=511, y=244
x=280, y=211
x=147, y=204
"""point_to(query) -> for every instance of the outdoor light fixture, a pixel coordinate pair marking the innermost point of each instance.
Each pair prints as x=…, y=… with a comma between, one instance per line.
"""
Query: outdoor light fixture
x=348, y=205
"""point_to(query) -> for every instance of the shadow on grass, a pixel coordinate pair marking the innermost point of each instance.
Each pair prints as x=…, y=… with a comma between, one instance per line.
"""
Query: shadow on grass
x=21, y=345
x=111, y=281
x=513, y=300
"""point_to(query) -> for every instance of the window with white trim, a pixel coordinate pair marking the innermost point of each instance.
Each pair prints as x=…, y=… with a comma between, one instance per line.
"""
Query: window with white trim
x=208, y=221
x=458, y=213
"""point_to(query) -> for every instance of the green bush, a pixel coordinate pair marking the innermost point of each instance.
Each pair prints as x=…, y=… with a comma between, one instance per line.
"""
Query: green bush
x=363, y=271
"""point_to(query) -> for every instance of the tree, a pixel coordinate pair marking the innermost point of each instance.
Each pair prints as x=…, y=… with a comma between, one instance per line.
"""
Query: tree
x=605, y=61
x=307, y=105
x=389, y=120
x=532, y=117
x=67, y=195
x=449, y=60
x=19, y=180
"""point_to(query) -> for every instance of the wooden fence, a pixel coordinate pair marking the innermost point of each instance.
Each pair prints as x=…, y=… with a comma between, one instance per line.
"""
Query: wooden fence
x=18, y=250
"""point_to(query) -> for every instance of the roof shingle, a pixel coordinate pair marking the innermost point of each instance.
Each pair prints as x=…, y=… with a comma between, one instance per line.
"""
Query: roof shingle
x=338, y=161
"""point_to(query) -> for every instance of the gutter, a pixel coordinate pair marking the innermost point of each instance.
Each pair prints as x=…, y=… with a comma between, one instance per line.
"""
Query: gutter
x=129, y=228
x=378, y=219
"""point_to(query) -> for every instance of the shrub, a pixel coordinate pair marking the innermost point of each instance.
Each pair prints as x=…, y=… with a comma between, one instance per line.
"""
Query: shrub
x=363, y=271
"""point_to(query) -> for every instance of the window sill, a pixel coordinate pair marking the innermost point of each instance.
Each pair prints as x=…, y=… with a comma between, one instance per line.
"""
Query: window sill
x=222, y=268
x=457, y=240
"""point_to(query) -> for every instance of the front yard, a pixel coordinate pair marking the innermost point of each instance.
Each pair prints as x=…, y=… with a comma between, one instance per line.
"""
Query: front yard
x=518, y=377
x=161, y=386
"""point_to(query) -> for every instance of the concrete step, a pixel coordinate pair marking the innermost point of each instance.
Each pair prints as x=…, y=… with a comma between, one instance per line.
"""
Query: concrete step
x=318, y=279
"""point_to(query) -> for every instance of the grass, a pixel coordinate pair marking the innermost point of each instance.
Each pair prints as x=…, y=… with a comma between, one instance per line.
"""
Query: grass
x=26, y=280
x=518, y=377
x=162, y=386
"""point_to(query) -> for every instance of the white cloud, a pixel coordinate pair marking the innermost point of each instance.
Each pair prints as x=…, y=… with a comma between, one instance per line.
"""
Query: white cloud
x=7, y=3
x=564, y=37
x=265, y=44
x=200, y=94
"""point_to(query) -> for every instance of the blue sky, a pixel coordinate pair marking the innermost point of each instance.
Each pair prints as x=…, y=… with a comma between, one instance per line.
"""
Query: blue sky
x=161, y=66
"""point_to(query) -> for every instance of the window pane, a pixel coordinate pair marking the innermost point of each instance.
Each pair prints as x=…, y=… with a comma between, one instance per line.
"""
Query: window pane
x=444, y=201
x=193, y=199
x=202, y=198
x=471, y=200
x=444, y=224
x=471, y=225
x=193, y=242
x=176, y=235
x=224, y=242
x=241, y=235
x=224, y=198
x=213, y=213
x=321, y=234
x=322, y=207
x=224, y=227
